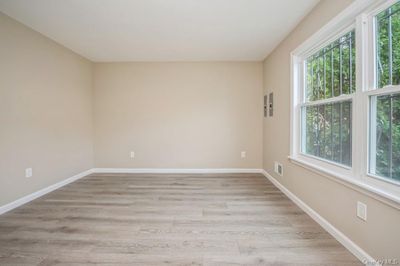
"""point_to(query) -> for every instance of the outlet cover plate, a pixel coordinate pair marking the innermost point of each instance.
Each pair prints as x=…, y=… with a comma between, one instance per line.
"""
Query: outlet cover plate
x=28, y=172
x=361, y=210
x=278, y=168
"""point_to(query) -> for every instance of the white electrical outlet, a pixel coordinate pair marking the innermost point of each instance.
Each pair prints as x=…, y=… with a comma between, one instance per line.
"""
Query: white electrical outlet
x=28, y=172
x=278, y=168
x=243, y=154
x=132, y=154
x=361, y=210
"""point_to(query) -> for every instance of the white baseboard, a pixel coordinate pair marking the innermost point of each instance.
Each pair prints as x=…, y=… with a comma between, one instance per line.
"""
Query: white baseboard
x=176, y=170
x=339, y=236
x=357, y=251
x=37, y=194
x=12, y=205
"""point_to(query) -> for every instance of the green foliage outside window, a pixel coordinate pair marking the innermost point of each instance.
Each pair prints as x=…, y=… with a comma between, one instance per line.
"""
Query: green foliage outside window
x=328, y=132
x=388, y=49
x=388, y=107
x=330, y=73
x=388, y=136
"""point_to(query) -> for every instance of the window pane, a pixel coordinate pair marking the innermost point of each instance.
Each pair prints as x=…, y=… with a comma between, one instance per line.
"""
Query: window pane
x=327, y=130
x=336, y=71
x=385, y=138
x=328, y=74
x=388, y=46
x=345, y=68
x=331, y=70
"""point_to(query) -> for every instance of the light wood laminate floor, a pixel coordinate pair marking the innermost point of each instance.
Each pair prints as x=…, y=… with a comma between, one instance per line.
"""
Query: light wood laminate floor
x=147, y=219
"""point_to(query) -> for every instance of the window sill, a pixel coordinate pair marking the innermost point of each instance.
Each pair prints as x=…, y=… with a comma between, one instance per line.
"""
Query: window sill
x=384, y=196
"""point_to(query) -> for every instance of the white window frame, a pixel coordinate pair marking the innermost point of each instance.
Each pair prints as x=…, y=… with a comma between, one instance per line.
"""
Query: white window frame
x=372, y=89
x=360, y=16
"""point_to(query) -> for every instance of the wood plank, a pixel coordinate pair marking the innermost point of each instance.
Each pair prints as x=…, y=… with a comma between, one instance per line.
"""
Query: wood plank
x=166, y=219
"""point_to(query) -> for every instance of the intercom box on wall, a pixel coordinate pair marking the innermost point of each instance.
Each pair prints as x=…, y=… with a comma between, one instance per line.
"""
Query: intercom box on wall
x=265, y=105
x=271, y=104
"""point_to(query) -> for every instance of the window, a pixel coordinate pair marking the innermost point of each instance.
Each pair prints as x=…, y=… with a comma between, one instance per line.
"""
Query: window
x=388, y=46
x=345, y=116
x=385, y=158
x=326, y=115
x=385, y=108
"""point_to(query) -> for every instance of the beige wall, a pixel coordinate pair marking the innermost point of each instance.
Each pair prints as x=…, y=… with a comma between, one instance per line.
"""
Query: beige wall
x=173, y=115
x=178, y=115
x=45, y=111
x=380, y=235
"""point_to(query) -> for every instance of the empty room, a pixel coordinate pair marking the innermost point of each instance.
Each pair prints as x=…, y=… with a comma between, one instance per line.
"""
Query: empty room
x=199, y=132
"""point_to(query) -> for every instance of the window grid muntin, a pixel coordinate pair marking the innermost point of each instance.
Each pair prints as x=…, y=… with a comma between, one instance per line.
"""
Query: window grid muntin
x=334, y=98
x=311, y=88
x=380, y=17
x=389, y=14
x=359, y=173
x=341, y=127
x=374, y=136
x=388, y=90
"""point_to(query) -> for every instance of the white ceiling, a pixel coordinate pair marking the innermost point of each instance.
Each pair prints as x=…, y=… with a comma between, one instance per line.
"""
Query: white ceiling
x=163, y=30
